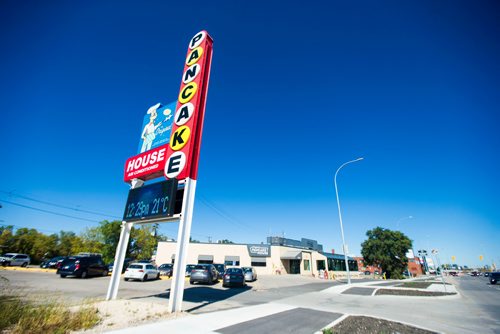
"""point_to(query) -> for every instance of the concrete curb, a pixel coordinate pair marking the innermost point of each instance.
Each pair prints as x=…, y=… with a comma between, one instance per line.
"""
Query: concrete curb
x=333, y=323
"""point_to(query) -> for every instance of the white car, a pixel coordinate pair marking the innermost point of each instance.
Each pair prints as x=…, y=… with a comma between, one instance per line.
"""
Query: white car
x=141, y=271
x=15, y=259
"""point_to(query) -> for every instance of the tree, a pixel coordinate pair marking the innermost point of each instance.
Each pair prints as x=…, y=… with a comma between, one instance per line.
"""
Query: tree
x=225, y=241
x=110, y=234
x=388, y=249
x=45, y=246
x=144, y=241
x=69, y=243
x=6, y=239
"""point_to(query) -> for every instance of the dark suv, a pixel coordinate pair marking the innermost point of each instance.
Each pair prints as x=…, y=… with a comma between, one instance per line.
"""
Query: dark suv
x=494, y=277
x=83, y=266
x=221, y=268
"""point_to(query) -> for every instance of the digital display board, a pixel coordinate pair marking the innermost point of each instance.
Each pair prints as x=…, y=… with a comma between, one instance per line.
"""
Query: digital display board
x=153, y=201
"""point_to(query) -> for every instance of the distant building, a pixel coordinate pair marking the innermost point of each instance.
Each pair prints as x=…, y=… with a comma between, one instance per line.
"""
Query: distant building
x=415, y=266
x=364, y=268
x=278, y=256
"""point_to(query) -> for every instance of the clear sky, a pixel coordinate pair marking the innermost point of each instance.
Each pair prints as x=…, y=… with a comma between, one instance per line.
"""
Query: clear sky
x=295, y=91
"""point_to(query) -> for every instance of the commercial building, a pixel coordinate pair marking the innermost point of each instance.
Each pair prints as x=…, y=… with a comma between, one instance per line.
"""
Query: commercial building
x=278, y=256
x=414, y=266
x=374, y=270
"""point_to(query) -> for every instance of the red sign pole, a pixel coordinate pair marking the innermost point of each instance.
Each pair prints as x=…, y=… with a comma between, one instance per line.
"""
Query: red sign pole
x=184, y=149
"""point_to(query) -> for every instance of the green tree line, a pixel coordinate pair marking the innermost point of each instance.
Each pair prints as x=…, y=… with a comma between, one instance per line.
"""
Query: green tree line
x=101, y=239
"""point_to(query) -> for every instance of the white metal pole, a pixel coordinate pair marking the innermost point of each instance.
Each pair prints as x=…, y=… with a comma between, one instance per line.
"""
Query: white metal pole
x=340, y=217
x=177, y=287
x=121, y=251
x=440, y=271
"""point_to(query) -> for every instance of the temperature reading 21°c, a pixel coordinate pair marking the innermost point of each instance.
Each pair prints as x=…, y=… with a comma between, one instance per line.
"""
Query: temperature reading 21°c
x=150, y=202
x=160, y=205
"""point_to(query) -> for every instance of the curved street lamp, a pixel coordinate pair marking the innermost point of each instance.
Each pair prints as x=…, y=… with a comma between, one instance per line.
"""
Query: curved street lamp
x=340, y=217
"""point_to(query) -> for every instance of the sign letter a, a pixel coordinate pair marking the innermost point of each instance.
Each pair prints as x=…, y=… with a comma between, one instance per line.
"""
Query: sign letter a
x=194, y=56
x=184, y=113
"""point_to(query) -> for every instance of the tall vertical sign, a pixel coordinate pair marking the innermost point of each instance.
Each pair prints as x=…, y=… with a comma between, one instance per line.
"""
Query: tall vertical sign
x=185, y=139
x=184, y=148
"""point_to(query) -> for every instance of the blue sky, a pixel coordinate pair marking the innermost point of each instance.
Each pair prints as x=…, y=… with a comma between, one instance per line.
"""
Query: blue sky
x=295, y=91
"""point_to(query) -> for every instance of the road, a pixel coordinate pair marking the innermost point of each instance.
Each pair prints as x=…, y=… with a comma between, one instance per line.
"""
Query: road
x=483, y=297
x=474, y=310
x=197, y=298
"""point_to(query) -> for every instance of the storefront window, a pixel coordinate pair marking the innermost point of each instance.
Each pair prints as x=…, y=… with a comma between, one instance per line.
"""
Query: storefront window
x=258, y=264
x=320, y=264
x=307, y=265
x=232, y=263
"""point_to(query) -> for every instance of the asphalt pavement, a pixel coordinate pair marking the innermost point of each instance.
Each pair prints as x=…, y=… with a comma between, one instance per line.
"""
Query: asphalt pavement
x=483, y=297
x=279, y=303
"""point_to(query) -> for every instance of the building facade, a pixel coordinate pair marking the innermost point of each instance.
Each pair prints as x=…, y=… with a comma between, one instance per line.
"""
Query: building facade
x=278, y=256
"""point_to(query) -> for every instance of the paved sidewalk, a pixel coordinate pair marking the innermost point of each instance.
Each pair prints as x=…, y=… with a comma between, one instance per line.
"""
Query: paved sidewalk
x=307, y=313
x=209, y=322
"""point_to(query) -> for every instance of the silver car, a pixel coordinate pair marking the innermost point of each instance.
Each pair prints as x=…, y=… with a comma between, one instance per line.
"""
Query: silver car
x=250, y=274
x=15, y=259
x=204, y=273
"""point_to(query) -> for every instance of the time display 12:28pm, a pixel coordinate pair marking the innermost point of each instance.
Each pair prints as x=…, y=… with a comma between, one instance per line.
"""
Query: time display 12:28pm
x=143, y=209
x=152, y=201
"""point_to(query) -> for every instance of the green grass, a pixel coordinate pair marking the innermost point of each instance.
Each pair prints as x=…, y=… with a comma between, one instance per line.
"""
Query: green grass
x=20, y=314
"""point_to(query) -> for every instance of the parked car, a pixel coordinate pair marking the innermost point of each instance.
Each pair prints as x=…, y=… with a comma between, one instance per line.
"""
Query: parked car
x=144, y=261
x=141, y=271
x=53, y=262
x=189, y=267
x=82, y=266
x=486, y=274
x=15, y=259
x=494, y=277
x=233, y=277
x=474, y=273
x=221, y=268
x=250, y=274
x=166, y=269
x=126, y=262
x=204, y=273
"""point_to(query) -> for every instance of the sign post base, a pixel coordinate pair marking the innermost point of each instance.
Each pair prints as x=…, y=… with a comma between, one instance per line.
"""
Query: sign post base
x=177, y=287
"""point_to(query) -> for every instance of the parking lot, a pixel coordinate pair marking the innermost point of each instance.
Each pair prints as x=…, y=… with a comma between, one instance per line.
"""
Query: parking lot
x=198, y=298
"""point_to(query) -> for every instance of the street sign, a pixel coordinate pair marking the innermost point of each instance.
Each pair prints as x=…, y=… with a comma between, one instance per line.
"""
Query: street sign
x=151, y=203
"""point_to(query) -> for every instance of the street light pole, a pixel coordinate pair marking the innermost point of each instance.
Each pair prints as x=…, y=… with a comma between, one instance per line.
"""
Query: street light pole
x=340, y=217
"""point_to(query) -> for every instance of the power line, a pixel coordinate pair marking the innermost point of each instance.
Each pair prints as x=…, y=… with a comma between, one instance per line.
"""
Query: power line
x=48, y=211
x=9, y=193
x=221, y=213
